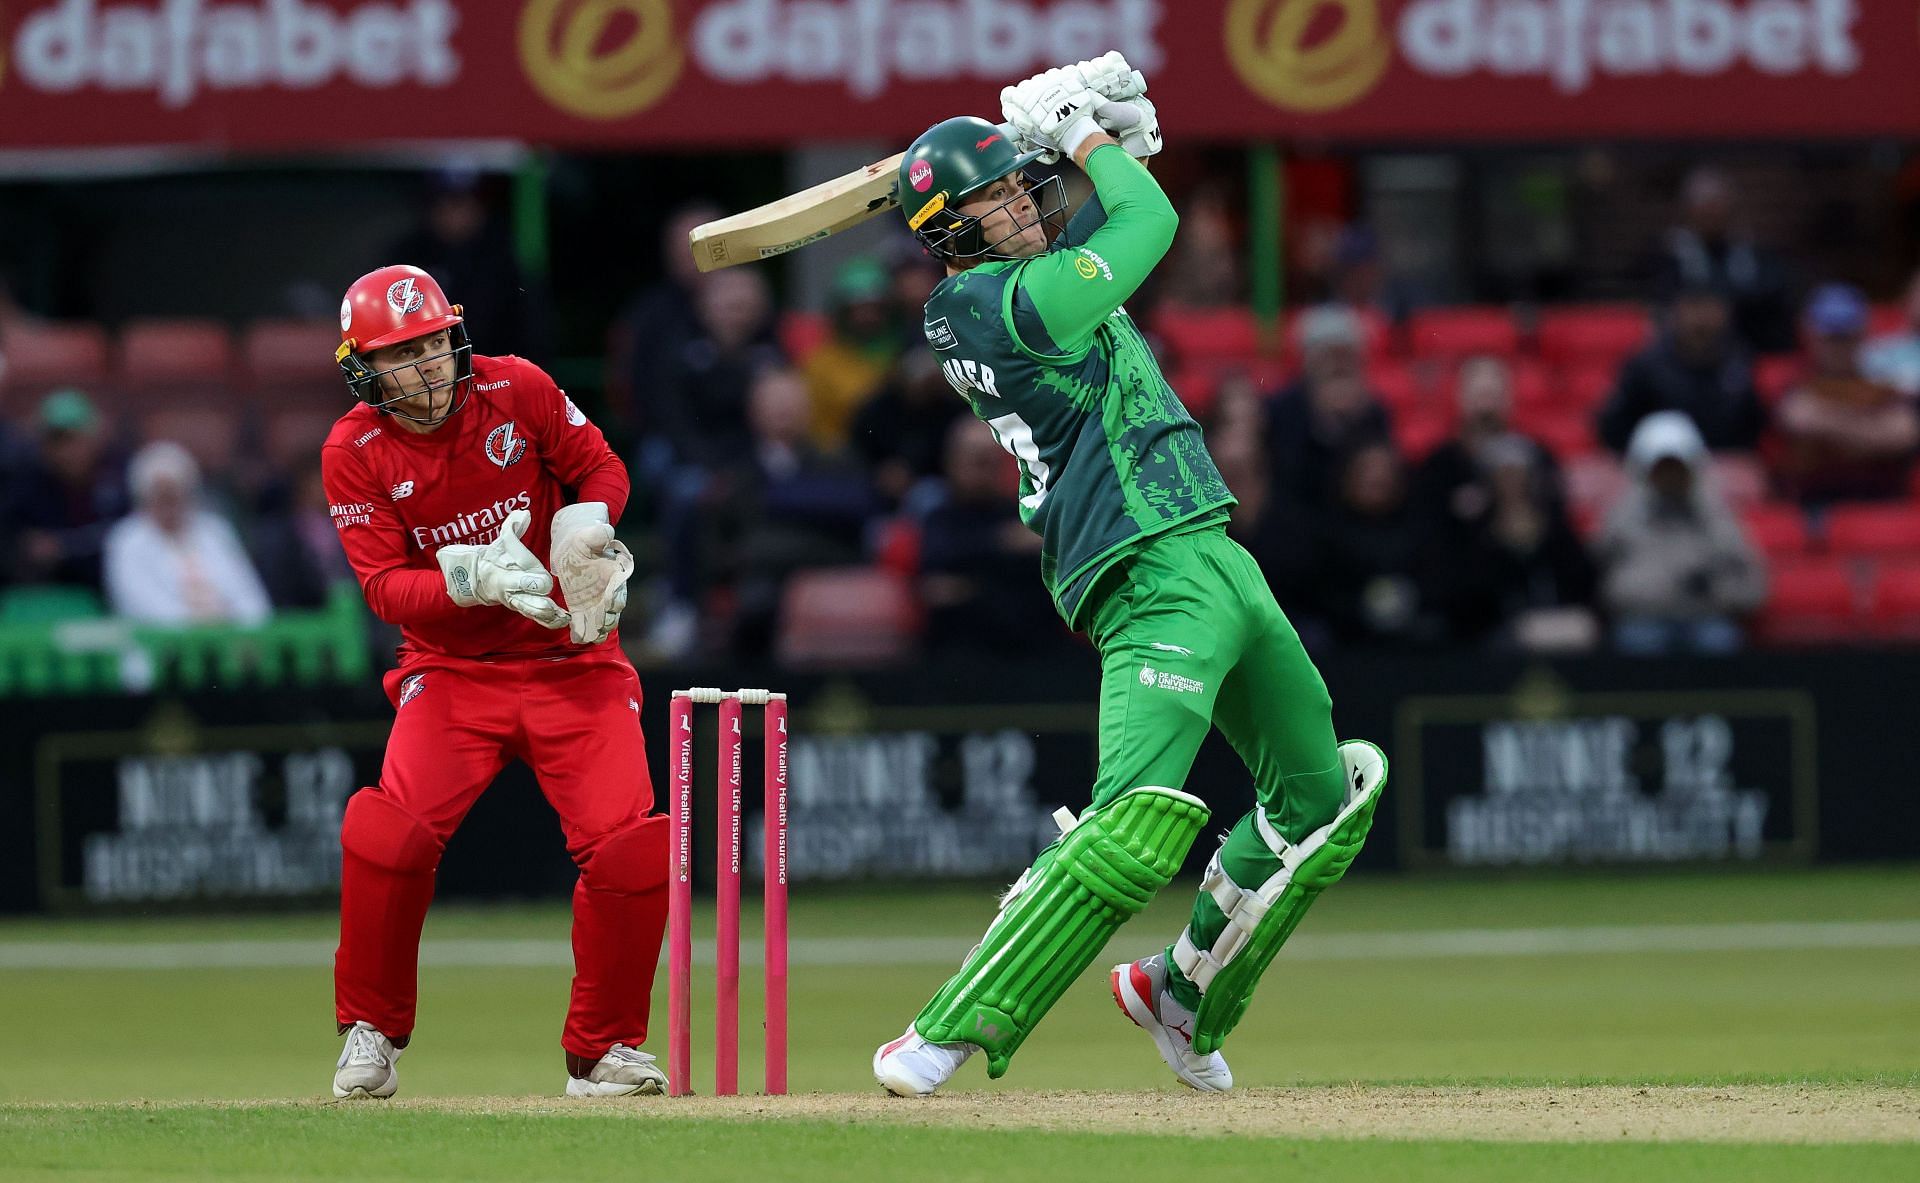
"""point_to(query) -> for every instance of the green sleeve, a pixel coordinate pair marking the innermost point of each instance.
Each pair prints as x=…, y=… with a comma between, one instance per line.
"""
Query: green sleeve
x=1073, y=290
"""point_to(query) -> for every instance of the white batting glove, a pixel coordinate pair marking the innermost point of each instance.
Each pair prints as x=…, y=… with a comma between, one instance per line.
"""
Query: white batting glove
x=1128, y=115
x=1110, y=75
x=503, y=572
x=1053, y=111
x=592, y=569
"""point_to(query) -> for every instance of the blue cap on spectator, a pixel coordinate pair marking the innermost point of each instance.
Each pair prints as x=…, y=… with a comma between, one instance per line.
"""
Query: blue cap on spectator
x=1837, y=310
x=67, y=410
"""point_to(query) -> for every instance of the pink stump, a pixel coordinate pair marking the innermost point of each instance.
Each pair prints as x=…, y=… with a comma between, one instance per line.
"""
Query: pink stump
x=775, y=869
x=726, y=1019
x=680, y=904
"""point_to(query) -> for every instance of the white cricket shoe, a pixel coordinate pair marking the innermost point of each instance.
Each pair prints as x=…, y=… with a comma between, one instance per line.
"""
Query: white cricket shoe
x=366, y=1064
x=1140, y=987
x=622, y=1072
x=912, y=1067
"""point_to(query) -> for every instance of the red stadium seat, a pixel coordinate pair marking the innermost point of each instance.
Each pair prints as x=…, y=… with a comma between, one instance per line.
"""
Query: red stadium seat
x=1886, y=318
x=210, y=433
x=844, y=616
x=1778, y=528
x=293, y=435
x=1588, y=385
x=175, y=355
x=1534, y=385
x=1896, y=603
x=1874, y=530
x=1775, y=374
x=1210, y=336
x=1741, y=479
x=1594, y=482
x=1597, y=334
x=1401, y=385
x=1567, y=434
x=49, y=354
x=1809, y=603
x=1420, y=430
x=801, y=333
x=1462, y=332
x=293, y=357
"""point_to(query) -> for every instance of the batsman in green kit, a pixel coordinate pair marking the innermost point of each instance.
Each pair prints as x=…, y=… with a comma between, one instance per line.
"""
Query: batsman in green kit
x=1030, y=328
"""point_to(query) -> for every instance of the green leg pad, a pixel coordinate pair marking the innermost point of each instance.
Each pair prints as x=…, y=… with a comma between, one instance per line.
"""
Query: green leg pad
x=1102, y=871
x=1260, y=919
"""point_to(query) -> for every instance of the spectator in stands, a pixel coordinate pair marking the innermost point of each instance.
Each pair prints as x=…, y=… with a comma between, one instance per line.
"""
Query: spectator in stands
x=1370, y=551
x=865, y=337
x=1507, y=558
x=1846, y=436
x=1696, y=366
x=1362, y=282
x=1326, y=412
x=695, y=409
x=460, y=244
x=1275, y=531
x=1677, y=573
x=664, y=315
x=1204, y=269
x=298, y=551
x=1708, y=249
x=901, y=433
x=172, y=561
x=977, y=560
x=784, y=503
x=1893, y=359
x=914, y=274
x=63, y=498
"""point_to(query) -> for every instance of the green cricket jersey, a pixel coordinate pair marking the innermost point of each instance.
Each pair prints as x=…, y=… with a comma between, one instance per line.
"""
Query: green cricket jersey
x=1046, y=355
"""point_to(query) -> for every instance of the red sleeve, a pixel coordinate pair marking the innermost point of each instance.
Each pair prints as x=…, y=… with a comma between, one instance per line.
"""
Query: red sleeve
x=376, y=544
x=576, y=451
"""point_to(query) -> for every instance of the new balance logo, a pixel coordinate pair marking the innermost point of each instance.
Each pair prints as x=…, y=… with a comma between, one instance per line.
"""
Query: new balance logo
x=403, y=489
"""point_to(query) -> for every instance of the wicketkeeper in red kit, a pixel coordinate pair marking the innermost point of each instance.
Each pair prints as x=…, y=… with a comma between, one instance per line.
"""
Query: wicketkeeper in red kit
x=450, y=485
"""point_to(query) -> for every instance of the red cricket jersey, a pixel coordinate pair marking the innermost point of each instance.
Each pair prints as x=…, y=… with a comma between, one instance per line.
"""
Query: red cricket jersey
x=399, y=496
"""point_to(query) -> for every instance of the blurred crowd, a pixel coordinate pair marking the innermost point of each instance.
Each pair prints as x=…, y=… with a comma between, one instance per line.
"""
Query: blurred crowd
x=1728, y=460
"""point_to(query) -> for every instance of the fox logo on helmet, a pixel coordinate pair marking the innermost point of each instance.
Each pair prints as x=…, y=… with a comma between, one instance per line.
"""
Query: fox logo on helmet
x=404, y=297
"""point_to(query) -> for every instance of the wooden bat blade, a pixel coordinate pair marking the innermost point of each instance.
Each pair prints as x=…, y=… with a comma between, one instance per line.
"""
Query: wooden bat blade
x=798, y=219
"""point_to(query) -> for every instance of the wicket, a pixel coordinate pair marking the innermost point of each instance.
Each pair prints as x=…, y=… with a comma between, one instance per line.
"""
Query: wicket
x=729, y=857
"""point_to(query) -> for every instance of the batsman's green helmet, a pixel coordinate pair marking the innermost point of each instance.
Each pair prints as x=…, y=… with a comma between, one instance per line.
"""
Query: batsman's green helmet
x=951, y=161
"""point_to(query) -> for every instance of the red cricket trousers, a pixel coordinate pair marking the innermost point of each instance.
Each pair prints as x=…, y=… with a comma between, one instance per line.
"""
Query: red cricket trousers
x=576, y=722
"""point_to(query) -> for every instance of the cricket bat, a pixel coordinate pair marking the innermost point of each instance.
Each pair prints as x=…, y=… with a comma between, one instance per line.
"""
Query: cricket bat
x=796, y=220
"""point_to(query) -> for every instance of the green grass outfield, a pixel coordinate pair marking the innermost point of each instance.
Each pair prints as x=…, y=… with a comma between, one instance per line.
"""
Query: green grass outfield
x=1782, y=1010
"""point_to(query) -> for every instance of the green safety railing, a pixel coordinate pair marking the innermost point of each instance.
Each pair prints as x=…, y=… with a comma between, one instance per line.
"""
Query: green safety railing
x=57, y=641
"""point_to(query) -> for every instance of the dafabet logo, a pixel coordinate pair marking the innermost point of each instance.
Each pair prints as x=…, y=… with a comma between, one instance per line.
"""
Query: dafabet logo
x=600, y=59
x=1314, y=56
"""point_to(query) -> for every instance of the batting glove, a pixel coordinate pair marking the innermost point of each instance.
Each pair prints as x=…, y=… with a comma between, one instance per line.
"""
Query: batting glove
x=1112, y=76
x=503, y=572
x=592, y=569
x=1053, y=111
x=1127, y=115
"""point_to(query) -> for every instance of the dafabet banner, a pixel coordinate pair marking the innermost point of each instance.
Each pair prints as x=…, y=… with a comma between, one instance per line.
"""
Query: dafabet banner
x=278, y=74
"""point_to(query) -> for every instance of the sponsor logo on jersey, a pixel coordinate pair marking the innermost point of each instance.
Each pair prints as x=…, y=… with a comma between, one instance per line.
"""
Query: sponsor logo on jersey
x=504, y=447
x=402, y=490
x=362, y=441
x=575, y=415
x=480, y=525
x=940, y=334
x=405, y=297
x=410, y=687
x=1089, y=264
x=1164, y=680
x=493, y=385
x=351, y=513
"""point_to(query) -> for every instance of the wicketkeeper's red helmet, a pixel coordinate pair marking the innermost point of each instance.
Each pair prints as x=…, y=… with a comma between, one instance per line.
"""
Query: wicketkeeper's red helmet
x=392, y=305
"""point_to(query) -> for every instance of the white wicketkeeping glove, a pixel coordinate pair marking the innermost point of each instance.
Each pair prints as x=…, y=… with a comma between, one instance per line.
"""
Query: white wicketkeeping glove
x=1127, y=115
x=592, y=569
x=1053, y=111
x=502, y=572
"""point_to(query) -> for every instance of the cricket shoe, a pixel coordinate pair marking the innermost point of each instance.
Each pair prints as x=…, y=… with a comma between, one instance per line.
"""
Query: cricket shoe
x=912, y=1067
x=366, y=1064
x=622, y=1072
x=1140, y=987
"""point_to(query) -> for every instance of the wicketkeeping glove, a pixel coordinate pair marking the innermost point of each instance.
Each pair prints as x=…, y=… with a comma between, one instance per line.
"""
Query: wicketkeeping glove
x=502, y=572
x=592, y=569
x=1053, y=111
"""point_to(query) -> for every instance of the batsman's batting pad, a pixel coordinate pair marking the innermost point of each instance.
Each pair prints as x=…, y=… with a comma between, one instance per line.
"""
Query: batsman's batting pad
x=632, y=860
x=1260, y=919
x=1104, y=869
x=375, y=830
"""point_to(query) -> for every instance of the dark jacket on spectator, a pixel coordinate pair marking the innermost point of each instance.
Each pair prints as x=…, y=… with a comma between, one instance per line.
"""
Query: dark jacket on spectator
x=1719, y=397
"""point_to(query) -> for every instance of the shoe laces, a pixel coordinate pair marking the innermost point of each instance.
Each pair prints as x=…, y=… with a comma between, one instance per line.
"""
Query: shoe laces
x=363, y=1047
x=621, y=1053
